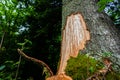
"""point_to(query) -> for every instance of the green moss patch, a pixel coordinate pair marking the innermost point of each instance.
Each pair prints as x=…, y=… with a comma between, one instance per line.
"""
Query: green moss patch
x=82, y=67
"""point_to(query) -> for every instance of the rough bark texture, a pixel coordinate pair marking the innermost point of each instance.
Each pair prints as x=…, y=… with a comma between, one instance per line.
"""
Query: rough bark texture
x=104, y=36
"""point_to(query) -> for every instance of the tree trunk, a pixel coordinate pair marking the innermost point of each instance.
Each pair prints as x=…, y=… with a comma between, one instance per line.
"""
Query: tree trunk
x=105, y=38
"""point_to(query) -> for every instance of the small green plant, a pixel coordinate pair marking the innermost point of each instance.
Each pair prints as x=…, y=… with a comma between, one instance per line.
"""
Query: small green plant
x=7, y=70
x=23, y=45
x=10, y=69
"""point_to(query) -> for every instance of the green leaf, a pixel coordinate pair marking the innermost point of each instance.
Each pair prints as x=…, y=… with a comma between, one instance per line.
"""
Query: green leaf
x=102, y=4
x=9, y=62
x=21, y=44
x=14, y=1
x=91, y=69
x=2, y=67
x=28, y=41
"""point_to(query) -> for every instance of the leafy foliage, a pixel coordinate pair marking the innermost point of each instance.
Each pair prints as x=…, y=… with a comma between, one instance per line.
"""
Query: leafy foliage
x=112, y=8
x=12, y=15
x=102, y=4
x=23, y=47
x=8, y=70
x=30, y=21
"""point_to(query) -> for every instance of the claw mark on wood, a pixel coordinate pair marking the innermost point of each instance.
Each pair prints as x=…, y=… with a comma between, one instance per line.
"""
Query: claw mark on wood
x=74, y=37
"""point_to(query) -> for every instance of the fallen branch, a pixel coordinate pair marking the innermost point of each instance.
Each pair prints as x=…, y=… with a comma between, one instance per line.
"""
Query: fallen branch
x=36, y=61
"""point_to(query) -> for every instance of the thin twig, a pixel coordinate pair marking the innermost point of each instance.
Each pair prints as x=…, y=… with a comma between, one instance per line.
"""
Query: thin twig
x=18, y=68
x=2, y=40
x=36, y=61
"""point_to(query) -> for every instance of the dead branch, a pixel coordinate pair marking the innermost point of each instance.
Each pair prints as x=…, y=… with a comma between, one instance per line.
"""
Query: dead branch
x=102, y=72
x=35, y=60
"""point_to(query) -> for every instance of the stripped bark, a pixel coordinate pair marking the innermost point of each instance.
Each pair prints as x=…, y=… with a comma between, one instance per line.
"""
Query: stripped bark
x=74, y=37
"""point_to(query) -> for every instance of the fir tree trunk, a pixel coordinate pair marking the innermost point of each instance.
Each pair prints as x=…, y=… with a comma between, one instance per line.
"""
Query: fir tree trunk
x=104, y=35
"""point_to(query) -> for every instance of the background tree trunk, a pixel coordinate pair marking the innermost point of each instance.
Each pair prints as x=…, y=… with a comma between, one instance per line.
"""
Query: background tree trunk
x=104, y=35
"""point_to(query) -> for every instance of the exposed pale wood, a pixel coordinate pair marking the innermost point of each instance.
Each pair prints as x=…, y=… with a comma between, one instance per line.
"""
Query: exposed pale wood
x=59, y=77
x=74, y=37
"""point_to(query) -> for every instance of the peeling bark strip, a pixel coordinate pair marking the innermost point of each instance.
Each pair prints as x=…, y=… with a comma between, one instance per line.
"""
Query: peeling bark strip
x=74, y=37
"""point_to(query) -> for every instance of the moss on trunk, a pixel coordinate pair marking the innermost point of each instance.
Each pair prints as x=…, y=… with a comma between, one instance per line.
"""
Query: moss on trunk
x=83, y=67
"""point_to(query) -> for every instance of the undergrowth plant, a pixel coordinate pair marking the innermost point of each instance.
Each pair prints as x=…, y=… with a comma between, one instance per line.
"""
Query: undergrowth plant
x=7, y=70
